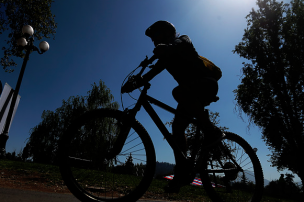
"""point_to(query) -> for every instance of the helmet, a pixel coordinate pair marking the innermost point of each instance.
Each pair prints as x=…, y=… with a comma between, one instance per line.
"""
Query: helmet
x=161, y=27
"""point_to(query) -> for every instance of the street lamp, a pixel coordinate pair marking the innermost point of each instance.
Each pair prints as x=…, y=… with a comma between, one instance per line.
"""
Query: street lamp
x=25, y=42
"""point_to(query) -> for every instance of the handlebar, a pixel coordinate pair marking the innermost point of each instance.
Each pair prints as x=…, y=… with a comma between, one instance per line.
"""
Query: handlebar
x=133, y=82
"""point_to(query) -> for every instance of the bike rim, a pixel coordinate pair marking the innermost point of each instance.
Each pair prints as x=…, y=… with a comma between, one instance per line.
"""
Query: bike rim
x=98, y=178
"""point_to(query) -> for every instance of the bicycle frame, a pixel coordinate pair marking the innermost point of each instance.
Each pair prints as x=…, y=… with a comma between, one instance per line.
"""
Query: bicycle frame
x=144, y=101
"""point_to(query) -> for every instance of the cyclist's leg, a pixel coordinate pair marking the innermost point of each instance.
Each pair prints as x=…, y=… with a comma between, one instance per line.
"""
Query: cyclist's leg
x=191, y=99
x=182, y=168
x=189, y=105
x=179, y=126
x=186, y=106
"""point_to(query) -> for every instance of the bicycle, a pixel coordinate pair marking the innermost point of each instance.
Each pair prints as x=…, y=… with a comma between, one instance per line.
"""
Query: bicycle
x=96, y=145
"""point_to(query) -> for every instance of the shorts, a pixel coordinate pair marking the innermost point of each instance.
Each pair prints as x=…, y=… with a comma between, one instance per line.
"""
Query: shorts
x=204, y=90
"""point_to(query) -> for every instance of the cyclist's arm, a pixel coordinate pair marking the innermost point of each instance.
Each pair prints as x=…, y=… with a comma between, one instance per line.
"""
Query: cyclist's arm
x=180, y=48
x=158, y=68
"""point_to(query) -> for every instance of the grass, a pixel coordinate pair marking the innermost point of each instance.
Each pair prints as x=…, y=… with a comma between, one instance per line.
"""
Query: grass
x=46, y=171
x=187, y=193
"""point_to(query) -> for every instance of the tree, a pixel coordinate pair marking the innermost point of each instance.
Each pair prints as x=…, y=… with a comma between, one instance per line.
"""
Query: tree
x=271, y=89
x=284, y=188
x=14, y=156
x=14, y=14
x=129, y=165
x=42, y=145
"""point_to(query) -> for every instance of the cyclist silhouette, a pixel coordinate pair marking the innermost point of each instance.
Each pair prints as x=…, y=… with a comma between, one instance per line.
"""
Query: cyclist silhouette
x=196, y=87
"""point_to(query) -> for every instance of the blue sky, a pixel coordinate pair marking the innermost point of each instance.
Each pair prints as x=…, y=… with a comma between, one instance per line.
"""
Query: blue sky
x=105, y=40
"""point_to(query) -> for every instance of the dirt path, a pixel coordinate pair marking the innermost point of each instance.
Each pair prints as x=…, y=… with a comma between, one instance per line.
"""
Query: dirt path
x=14, y=195
x=32, y=186
x=29, y=180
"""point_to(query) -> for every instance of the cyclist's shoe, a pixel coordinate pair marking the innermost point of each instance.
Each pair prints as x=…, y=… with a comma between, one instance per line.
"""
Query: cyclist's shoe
x=213, y=136
x=183, y=176
x=173, y=186
x=177, y=182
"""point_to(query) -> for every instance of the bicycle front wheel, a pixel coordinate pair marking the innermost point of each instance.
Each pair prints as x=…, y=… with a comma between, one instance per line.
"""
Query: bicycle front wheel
x=232, y=171
x=88, y=170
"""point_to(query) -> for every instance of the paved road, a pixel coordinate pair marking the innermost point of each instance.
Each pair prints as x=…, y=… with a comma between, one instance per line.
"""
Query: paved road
x=17, y=195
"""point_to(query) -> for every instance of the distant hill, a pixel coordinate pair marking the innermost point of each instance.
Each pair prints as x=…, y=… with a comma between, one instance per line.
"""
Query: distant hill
x=163, y=168
x=249, y=176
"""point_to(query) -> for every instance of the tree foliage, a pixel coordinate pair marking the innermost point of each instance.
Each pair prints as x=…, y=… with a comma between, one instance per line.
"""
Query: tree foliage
x=14, y=14
x=129, y=165
x=271, y=89
x=42, y=145
x=285, y=187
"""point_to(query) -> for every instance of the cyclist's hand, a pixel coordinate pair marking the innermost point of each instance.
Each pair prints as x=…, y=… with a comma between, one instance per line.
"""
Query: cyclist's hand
x=126, y=88
x=133, y=83
x=145, y=62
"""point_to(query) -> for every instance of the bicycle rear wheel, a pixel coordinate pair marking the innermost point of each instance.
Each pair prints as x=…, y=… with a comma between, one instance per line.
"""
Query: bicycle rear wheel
x=232, y=171
x=89, y=172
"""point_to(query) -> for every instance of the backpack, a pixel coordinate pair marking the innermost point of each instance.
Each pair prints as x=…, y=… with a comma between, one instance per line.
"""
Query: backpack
x=216, y=72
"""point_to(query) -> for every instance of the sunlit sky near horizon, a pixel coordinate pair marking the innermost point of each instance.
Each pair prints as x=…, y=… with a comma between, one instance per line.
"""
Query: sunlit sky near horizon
x=105, y=40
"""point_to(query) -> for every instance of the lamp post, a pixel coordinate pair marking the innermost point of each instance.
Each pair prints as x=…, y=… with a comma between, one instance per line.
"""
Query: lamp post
x=25, y=42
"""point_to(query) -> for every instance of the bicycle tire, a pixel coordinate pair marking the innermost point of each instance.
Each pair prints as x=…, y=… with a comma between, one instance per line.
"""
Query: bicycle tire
x=87, y=142
x=243, y=184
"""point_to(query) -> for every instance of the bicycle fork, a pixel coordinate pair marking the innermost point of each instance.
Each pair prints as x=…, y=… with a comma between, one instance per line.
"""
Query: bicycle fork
x=122, y=136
